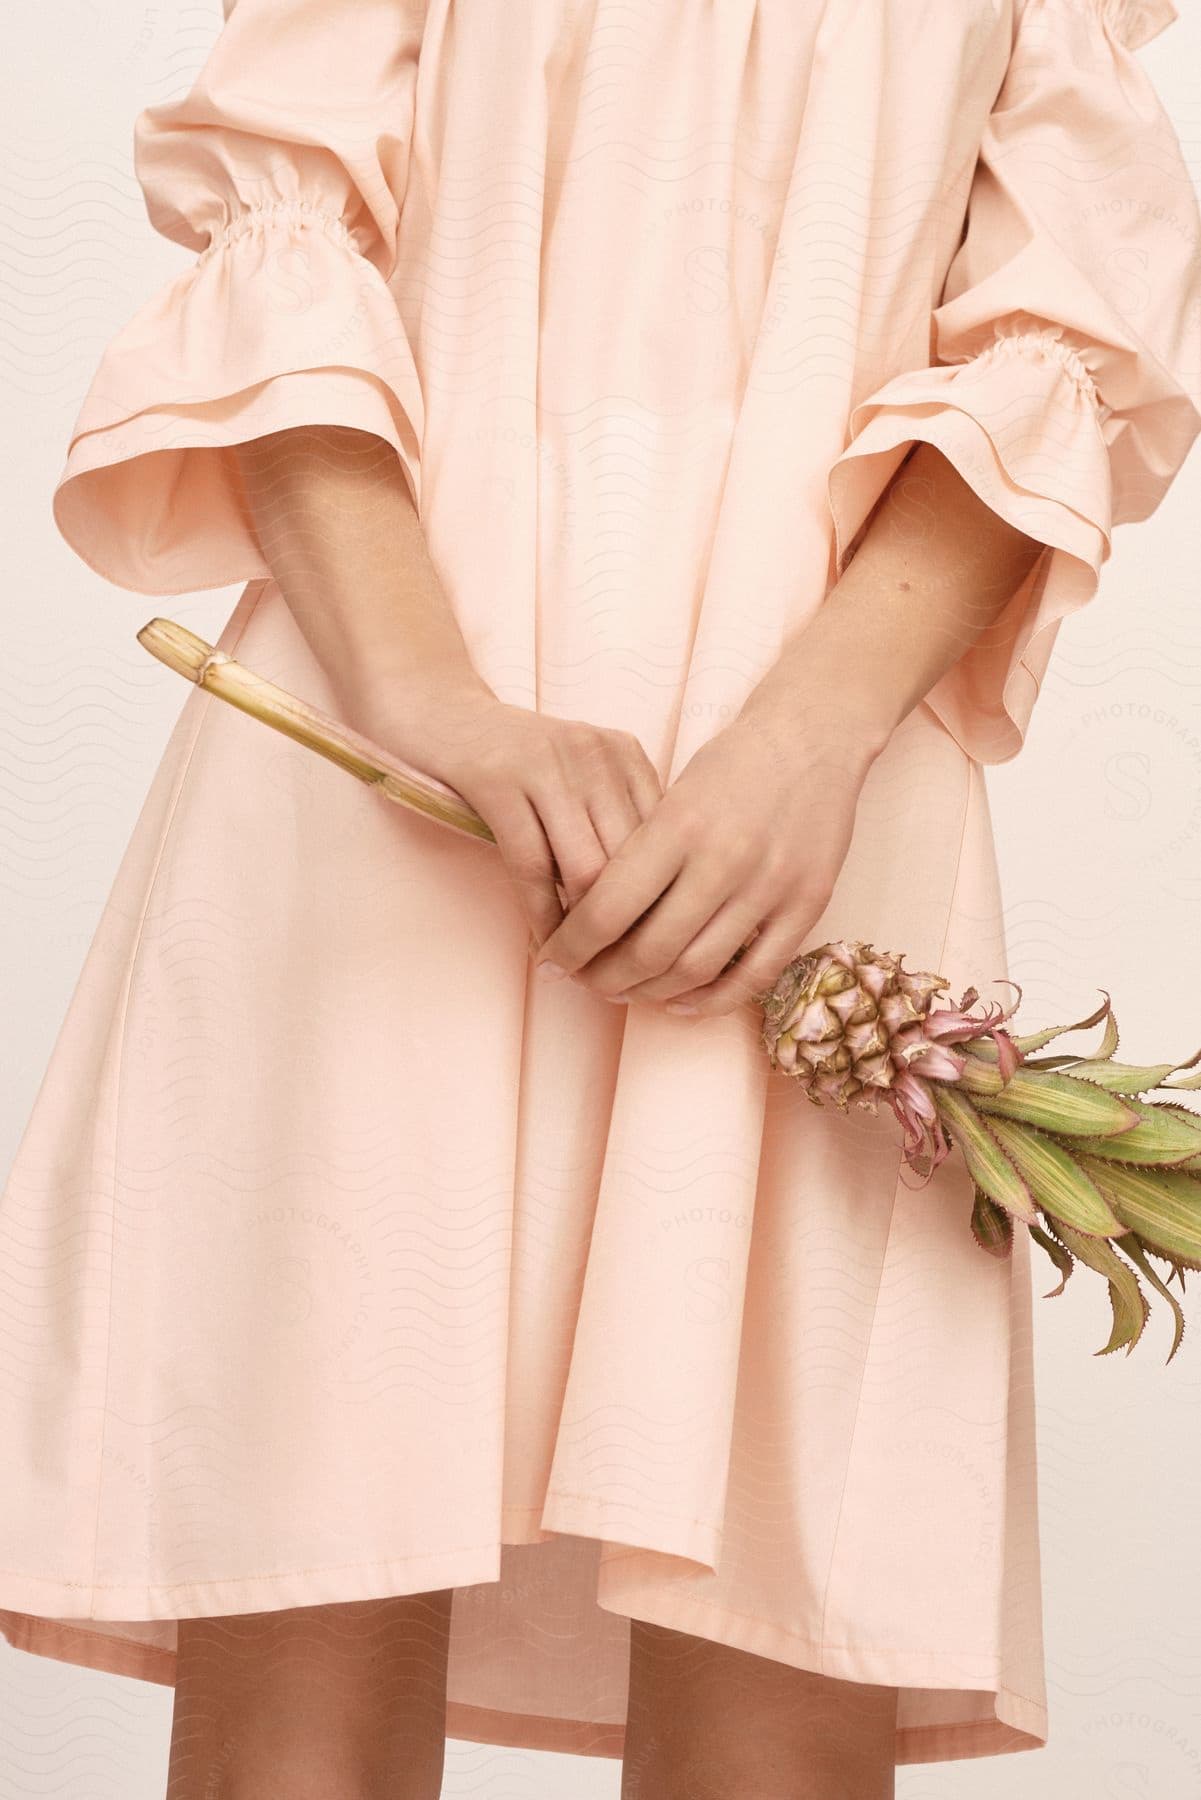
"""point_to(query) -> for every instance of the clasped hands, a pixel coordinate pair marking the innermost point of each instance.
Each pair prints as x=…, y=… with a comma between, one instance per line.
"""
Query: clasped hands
x=660, y=889
x=741, y=850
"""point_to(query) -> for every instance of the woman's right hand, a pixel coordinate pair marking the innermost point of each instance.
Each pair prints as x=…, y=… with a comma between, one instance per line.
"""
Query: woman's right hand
x=335, y=518
x=550, y=790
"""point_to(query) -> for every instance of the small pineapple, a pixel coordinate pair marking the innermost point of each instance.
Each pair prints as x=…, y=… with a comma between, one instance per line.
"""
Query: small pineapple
x=849, y=1022
x=1059, y=1138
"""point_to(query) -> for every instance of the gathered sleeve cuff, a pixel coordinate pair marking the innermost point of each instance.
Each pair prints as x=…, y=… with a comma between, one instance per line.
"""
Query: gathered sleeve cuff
x=286, y=316
x=1067, y=407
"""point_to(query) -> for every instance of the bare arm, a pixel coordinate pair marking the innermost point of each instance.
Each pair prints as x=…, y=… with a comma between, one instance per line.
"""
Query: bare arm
x=337, y=527
x=749, y=840
x=909, y=603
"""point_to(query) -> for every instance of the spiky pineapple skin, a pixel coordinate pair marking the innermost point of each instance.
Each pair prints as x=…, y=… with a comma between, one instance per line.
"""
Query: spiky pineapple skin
x=843, y=1019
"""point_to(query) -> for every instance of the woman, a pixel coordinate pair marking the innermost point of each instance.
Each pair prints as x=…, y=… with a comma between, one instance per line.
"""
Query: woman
x=683, y=430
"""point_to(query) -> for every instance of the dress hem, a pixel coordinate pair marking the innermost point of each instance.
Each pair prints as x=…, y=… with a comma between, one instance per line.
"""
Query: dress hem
x=1018, y=1723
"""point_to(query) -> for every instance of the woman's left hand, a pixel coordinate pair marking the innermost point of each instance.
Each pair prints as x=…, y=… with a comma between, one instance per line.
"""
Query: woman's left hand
x=747, y=842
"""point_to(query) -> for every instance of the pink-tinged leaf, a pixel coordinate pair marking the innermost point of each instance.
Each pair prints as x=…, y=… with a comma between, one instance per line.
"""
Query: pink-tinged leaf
x=1035, y=1040
x=934, y=1063
x=1009, y=1056
x=946, y=1027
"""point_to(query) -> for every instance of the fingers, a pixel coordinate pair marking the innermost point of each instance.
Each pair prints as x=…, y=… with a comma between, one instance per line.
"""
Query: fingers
x=528, y=857
x=581, y=792
x=614, y=814
x=779, y=939
x=703, y=957
x=627, y=887
x=643, y=964
x=572, y=836
x=587, y=826
x=642, y=777
x=625, y=795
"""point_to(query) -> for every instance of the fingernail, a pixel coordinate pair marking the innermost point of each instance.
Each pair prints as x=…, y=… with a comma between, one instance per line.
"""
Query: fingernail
x=680, y=1006
x=550, y=971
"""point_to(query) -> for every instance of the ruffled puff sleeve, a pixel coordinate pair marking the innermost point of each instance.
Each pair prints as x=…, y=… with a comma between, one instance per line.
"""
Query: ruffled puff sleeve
x=285, y=168
x=1065, y=386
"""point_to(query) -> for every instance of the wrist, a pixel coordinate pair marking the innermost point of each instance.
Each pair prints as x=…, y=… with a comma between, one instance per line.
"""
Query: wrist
x=419, y=712
x=795, y=700
x=382, y=686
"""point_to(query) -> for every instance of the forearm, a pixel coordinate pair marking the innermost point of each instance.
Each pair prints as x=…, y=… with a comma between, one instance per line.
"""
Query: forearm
x=935, y=569
x=337, y=527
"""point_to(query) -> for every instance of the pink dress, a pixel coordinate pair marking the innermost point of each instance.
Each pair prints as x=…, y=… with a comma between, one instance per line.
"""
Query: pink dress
x=354, y=1262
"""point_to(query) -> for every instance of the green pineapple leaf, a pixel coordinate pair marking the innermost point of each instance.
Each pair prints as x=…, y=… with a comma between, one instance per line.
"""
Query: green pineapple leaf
x=1062, y=1257
x=1057, y=1103
x=1132, y=1247
x=1120, y=1078
x=1194, y=1081
x=1167, y=1134
x=1162, y=1205
x=1034, y=1040
x=986, y=1162
x=992, y=1226
x=1126, y=1297
x=1059, y=1184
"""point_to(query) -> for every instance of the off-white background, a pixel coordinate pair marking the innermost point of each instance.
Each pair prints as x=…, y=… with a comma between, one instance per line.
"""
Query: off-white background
x=1099, y=829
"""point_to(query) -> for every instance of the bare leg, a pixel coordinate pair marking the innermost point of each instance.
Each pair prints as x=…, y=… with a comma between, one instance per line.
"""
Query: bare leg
x=707, y=1722
x=345, y=1702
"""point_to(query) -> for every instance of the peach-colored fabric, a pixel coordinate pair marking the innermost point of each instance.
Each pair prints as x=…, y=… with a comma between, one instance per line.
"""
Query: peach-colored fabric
x=353, y=1262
